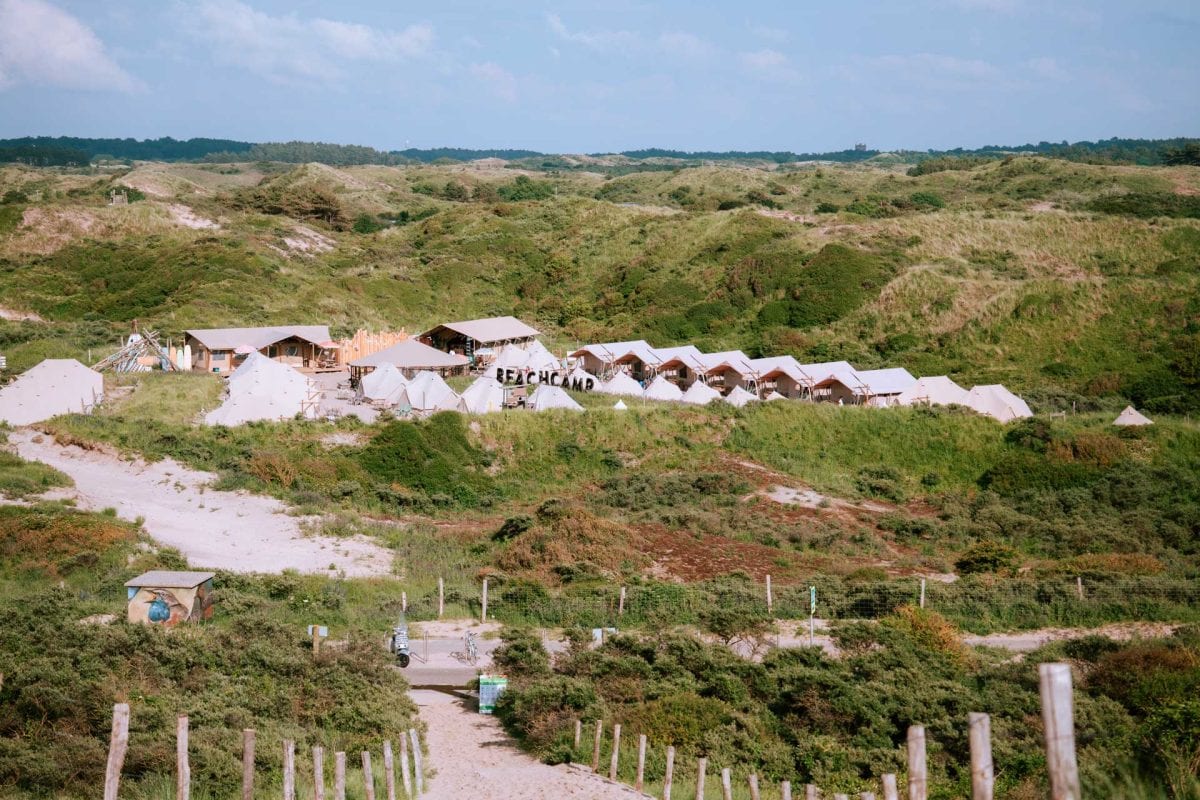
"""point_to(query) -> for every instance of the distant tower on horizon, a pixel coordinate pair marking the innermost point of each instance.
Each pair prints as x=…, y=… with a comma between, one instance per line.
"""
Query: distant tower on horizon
x=860, y=147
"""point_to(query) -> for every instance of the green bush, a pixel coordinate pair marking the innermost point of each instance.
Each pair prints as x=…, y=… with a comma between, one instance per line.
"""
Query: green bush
x=525, y=188
x=1146, y=205
x=987, y=557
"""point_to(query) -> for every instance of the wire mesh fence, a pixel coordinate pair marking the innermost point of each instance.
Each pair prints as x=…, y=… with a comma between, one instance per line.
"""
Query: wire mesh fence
x=978, y=604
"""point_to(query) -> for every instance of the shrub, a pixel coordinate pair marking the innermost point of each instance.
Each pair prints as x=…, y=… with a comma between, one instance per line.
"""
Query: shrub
x=827, y=208
x=927, y=200
x=987, y=557
x=525, y=188
x=881, y=481
x=365, y=223
x=1146, y=205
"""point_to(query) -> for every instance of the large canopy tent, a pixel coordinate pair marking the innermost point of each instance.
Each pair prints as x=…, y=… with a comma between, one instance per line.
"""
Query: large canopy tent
x=935, y=390
x=263, y=389
x=484, y=396
x=383, y=385
x=998, y=403
x=426, y=392
x=410, y=357
x=468, y=336
x=55, y=386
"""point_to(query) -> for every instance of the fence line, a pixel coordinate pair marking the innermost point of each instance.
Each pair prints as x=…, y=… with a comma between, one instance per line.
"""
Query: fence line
x=1061, y=764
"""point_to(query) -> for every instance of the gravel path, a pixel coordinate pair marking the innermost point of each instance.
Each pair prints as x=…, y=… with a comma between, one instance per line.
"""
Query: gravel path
x=235, y=531
x=473, y=758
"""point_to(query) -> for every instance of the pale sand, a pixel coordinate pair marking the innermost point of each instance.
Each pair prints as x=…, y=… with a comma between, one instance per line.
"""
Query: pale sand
x=235, y=531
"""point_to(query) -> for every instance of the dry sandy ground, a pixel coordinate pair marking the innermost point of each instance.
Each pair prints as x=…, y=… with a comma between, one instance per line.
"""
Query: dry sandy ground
x=234, y=531
x=471, y=756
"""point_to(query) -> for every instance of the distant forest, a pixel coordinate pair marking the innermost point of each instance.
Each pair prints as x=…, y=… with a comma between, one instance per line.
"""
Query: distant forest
x=72, y=151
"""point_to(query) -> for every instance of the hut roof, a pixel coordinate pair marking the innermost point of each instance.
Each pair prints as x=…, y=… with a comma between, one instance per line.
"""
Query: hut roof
x=411, y=354
x=170, y=579
x=258, y=338
x=487, y=331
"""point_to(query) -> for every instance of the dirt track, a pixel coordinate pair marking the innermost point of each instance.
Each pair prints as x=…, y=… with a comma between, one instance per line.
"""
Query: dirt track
x=235, y=531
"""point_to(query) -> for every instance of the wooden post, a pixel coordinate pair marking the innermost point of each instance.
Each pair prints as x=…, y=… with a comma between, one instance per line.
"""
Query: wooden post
x=621, y=602
x=248, y=764
x=670, y=773
x=418, y=770
x=890, y=791
x=578, y=734
x=441, y=597
x=316, y=630
x=701, y=774
x=483, y=597
x=753, y=780
x=1079, y=587
x=368, y=777
x=404, y=766
x=289, y=770
x=616, y=751
x=596, y=745
x=982, y=772
x=785, y=790
x=339, y=776
x=770, y=602
x=641, y=765
x=318, y=772
x=1058, y=719
x=726, y=785
x=918, y=779
x=118, y=743
x=922, y=592
x=389, y=771
x=404, y=602
x=183, y=771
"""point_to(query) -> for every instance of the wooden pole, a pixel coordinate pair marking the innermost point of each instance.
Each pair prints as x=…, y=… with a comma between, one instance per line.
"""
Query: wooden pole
x=289, y=770
x=389, y=770
x=770, y=603
x=483, y=610
x=368, y=777
x=701, y=774
x=404, y=766
x=118, y=743
x=441, y=597
x=616, y=752
x=890, y=791
x=670, y=773
x=316, y=640
x=318, y=772
x=982, y=770
x=596, y=745
x=785, y=790
x=578, y=734
x=1058, y=719
x=726, y=785
x=621, y=602
x=404, y=602
x=248, y=764
x=418, y=770
x=922, y=592
x=641, y=765
x=753, y=780
x=183, y=771
x=339, y=776
x=918, y=779
x=1079, y=587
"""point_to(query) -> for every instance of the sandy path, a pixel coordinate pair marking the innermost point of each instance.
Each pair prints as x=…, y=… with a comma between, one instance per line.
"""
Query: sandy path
x=234, y=531
x=473, y=757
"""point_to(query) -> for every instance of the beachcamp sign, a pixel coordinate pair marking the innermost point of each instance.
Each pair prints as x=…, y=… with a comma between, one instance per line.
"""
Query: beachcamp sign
x=514, y=376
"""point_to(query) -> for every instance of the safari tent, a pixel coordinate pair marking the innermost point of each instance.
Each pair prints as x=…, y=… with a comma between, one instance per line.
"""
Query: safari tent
x=467, y=337
x=935, y=390
x=599, y=359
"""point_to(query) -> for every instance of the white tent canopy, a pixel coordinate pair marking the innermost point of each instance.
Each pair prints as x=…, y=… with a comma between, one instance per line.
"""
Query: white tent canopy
x=739, y=397
x=997, y=402
x=427, y=392
x=583, y=380
x=546, y=397
x=700, y=394
x=484, y=396
x=55, y=386
x=620, y=405
x=621, y=383
x=662, y=389
x=1132, y=417
x=774, y=396
x=936, y=390
x=261, y=389
x=385, y=382
x=532, y=358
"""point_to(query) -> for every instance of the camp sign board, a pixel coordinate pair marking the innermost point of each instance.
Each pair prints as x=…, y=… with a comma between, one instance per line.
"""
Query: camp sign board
x=514, y=376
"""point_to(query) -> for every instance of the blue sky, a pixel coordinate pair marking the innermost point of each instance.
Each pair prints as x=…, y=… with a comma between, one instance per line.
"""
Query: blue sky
x=587, y=77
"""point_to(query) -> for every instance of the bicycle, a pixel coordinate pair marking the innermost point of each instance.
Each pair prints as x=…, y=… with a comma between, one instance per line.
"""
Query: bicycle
x=471, y=656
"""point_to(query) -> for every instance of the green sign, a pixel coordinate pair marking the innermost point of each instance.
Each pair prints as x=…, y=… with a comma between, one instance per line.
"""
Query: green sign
x=812, y=600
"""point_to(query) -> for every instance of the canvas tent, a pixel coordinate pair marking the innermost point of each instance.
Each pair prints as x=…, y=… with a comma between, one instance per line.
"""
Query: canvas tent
x=997, y=402
x=935, y=390
x=384, y=384
x=700, y=394
x=1131, y=417
x=662, y=389
x=620, y=405
x=55, y=386
x=582, y=381
x=547, y=397
x=884, y=386
x=532, y=358
x=621, y=384
x=598, y=359
x=484, y=396
x=263, y=389
x=774, y=396
x=739, y=397
x=426, y=392
x=468, y=336
x=409, y=356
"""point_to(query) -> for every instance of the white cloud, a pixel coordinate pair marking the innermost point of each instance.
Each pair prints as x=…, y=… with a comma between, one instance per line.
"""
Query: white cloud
x=43, y=45
x=994, y=6
x=684, y=44
x=769, y=64
x=1047, y=68
x=600, y=41
x=671, y=43
x=501, y=82
x=291, y=49
x=770, y=33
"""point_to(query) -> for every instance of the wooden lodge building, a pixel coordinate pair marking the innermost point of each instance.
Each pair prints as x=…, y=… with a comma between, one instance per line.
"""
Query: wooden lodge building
x=222, y=350
x=471, y=336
